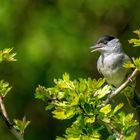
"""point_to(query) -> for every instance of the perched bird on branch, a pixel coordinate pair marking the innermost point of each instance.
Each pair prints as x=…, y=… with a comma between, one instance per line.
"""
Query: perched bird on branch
x=110, y=65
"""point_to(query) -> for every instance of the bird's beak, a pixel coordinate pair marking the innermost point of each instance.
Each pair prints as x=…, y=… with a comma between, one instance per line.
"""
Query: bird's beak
x=96, y=47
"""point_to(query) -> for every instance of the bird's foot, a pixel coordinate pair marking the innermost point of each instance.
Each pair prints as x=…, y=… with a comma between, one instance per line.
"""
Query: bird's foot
x=130, y=79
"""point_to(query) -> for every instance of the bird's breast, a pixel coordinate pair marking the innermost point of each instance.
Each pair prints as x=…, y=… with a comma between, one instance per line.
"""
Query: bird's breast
x=111, y=67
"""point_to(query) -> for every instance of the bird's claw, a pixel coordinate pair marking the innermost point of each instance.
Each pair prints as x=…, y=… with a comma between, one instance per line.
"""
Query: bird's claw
x=130, y=79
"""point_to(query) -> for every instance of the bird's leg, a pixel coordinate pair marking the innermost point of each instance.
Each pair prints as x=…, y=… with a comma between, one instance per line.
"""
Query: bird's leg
x=112, y=88
x=130, y=79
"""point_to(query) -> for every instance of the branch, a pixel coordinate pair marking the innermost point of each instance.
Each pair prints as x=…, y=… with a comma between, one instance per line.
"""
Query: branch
x=119, y=89
x=111, y=127
x=121, y=136
x=5, y=118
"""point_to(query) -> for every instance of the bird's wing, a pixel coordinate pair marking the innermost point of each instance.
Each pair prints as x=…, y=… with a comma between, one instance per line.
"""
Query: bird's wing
x=99, y=64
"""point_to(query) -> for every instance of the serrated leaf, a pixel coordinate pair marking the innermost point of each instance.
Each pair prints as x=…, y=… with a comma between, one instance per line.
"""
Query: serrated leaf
x=66, y=77
x=137, y=63
x=62, y=114
x=40, y=92
x=129, y=65
x=21, y=125
x=4, y=88
x=98, y=83
x=75, y=101
x=62, y=84
x=137, y=32
x=90, y=120
x=49, y=107
x=106, y=119
x=135, y=42
x=6, y=55
x=106, y=109
x=102, y=92
x=59, y=113
x=117, y=108
x=131, y=137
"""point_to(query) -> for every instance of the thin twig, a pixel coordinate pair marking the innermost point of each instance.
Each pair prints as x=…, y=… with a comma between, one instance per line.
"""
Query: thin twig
x=121, y=136
x=119, y=89
x=112, y=128
x=6, y=119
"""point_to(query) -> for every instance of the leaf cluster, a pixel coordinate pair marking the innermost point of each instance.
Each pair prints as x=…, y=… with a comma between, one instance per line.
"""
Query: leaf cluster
x=135, y=63
x=6, y=55
x=134, y=41
x=4, y=88
x=82, y=99
x=19, y=125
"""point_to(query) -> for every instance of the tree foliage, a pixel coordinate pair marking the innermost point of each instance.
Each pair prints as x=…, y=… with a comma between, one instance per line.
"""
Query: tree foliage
x=17, y=127
x=83, y=100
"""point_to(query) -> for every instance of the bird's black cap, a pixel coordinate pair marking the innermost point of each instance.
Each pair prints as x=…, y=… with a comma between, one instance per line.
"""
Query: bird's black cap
x=105, y=39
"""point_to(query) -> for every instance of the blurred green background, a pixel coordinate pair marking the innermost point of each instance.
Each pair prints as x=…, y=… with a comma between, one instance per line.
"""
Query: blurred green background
x=52, y=37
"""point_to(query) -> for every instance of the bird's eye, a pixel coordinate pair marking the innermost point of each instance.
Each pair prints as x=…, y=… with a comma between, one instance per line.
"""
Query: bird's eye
x=105, y=41
x=102, y=41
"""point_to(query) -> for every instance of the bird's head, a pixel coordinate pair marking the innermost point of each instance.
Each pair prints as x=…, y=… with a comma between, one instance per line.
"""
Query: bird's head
x=107, y=44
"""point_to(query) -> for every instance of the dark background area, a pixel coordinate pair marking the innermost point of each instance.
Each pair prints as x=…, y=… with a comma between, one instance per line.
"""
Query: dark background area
x=52, y=37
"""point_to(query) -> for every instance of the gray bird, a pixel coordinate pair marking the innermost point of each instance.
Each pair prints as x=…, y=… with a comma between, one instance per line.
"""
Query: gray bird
x=111, y=61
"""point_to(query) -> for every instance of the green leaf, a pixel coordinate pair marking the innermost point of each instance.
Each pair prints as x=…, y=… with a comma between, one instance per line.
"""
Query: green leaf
x=80, y=99
x=21, y=125
x=106, y=109
x=49, y=107
x=90, y=119
x=98, y=83
x=131, y=137
x=40, y=92
x=61, y=113
x=6, y=55
x=75, y=101
x=137, y=63
x=135, y=42
x=102, y=92
x=137, y=32
x=129, y=120
x=66, y=77
x=129, y=65
x=4, y=88
x=117, y=108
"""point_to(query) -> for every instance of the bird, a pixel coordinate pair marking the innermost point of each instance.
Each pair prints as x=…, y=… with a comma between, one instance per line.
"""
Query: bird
x=110, y=63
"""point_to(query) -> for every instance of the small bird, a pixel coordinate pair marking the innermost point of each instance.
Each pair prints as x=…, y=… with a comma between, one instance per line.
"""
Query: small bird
x=111, y=61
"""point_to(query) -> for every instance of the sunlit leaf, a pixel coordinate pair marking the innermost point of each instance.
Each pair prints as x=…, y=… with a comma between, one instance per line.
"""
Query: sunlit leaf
x=135, y=42
x=6, y=55
x=129, y=65
x=118, y=107
x=66, y=77
x=90, y=120
x=40, y=92
x=106, y=109
x=103, y=92
x=131, y=137
x=137, y=32
x=137, y=63
x=21, y=125
x=4, y=88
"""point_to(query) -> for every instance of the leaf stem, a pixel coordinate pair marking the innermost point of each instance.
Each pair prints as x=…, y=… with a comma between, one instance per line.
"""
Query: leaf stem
x=7, y=121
